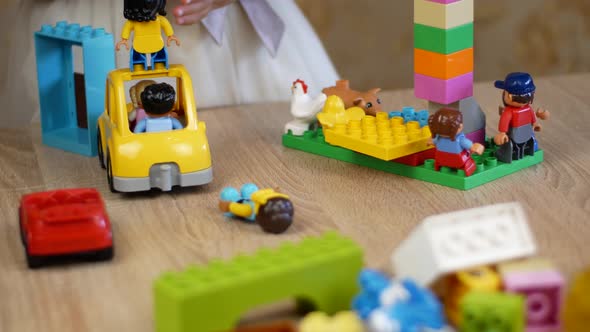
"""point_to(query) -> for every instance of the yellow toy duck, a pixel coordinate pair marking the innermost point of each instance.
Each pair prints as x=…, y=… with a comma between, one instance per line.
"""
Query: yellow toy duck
x=335, y=113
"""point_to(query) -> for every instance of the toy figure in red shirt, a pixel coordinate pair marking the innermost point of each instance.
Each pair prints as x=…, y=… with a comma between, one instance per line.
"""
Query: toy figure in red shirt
x=518, y=121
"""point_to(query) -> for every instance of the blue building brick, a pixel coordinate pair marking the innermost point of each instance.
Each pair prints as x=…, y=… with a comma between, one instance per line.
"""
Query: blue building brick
x=55, y=76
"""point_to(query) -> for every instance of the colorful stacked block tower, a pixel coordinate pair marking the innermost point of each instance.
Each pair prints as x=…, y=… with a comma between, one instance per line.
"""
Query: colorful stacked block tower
x=443, y=60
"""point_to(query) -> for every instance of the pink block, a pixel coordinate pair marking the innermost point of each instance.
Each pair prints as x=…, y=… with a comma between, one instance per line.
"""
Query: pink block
x=446, y=2
x=443, y=91
x=543, y=291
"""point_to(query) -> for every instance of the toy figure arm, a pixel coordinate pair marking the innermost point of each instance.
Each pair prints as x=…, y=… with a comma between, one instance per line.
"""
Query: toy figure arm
x=542, y=114
x=125, y=33
x=466, y=143
x=140, y=127
x=176, y=124
x=503, y=126
x=240, y=210
x=477, y=149
x=536, y=124
x=166, y=26
x=127, y=28
x=504, y=123
x=434, y=140
x=168, y=31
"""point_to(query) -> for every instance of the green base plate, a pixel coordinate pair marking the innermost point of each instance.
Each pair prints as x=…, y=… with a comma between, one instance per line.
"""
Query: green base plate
x=488, y=167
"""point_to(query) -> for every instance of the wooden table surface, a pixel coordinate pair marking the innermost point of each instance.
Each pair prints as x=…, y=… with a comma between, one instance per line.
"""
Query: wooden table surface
x=155, y=232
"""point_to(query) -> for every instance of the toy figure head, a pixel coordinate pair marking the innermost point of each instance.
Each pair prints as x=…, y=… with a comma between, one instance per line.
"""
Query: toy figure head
x=158, y=99
x=519, y=89
x=276, y=215
x=144, y=10
x=446, y=122
x=136, y=90
x=248, y=189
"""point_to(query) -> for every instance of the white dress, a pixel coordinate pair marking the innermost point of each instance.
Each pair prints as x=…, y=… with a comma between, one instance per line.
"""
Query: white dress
x=241, y=70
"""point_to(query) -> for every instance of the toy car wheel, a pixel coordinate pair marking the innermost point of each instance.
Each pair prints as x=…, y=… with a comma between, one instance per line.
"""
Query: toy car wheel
x=33, y=261
x=105, y=254
x=110, y=175
x=20, y=226
x=99, y=149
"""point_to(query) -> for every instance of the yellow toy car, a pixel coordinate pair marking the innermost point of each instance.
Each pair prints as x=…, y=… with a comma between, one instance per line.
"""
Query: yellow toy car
x=141, y=161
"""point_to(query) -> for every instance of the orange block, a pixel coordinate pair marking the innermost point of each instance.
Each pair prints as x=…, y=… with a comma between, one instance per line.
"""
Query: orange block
x=443, y=66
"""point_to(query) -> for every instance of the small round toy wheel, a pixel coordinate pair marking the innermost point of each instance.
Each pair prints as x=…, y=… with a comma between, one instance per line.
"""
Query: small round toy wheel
x=99, y=149
x=110, y=175
x=105, y=254
x=20, y=226
x=34, y=261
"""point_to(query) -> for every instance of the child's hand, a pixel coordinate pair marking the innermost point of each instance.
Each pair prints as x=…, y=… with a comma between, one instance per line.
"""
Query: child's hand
x=193, y=11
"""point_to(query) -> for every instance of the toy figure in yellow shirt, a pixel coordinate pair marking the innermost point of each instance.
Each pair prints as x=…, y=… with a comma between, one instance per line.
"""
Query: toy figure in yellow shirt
x=273, y=211
x=146, y=19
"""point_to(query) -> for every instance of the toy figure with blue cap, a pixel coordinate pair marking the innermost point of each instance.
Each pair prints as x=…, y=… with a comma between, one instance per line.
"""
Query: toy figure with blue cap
x=270, y=209
x=518, y=121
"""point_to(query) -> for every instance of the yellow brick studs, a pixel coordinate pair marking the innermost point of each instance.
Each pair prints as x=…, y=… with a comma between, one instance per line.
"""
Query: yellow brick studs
x=379, y=136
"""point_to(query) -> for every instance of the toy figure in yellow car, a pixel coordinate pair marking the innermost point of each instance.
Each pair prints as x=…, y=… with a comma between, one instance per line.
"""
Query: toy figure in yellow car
x=146, y=19
x=273, y=211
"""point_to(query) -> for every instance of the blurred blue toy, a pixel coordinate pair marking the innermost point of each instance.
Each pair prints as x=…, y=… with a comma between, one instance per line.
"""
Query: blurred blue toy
x=397, y=306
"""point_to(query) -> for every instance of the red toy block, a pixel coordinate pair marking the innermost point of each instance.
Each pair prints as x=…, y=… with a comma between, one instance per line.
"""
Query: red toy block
x=443, y=91
x=416, y=159
x=64, y=222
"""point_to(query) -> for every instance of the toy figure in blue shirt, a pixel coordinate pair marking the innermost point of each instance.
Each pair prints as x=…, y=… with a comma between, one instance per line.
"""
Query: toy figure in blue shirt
x=452, y=147
x=158, y=101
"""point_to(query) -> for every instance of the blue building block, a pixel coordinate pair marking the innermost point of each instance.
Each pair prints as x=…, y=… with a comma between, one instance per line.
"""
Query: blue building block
x=409, y=114
x=55, y=76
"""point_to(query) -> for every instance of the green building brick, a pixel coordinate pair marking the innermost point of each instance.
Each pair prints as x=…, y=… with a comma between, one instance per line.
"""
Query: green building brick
x=497, y=312
x=443, y=41
x=319, y=271
x=488, y=168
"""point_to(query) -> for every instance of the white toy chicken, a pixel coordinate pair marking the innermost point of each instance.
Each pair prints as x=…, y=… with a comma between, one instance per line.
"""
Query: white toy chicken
x=303, y=108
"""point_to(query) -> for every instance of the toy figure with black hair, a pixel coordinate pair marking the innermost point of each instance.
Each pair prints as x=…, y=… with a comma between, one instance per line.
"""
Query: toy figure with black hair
x=518, y=121
x=146, y=19
x=452, y=147
x=270, y=209
x=158, y=101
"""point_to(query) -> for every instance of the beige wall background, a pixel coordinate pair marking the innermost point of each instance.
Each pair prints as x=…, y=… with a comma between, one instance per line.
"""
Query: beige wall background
x=371, y=41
